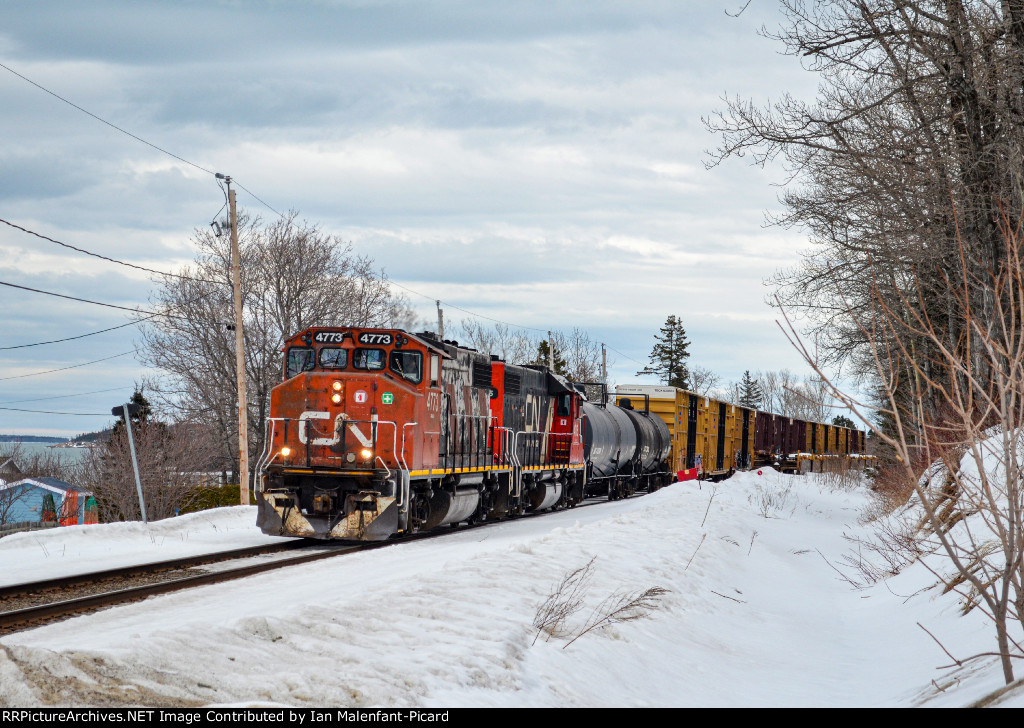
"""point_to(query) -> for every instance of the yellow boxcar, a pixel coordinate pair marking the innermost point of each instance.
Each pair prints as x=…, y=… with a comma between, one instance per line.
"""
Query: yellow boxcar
x=714, y=436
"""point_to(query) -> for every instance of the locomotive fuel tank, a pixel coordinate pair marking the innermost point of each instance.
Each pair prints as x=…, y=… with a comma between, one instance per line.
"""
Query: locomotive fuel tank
x=609, y=438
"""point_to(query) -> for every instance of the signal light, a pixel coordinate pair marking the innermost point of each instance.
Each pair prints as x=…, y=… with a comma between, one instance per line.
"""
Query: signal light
x=286, y=451
x=336, y=386
x=367, y=454
x=336, y=398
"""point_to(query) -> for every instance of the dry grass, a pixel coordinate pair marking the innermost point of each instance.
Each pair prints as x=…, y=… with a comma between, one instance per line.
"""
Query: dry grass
x=567, y=599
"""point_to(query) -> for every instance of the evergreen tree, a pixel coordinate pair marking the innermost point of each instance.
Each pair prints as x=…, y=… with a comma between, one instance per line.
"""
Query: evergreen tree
x=544, y=356
x=841, y=421
x=141, y=415
x=669, y=355
x=750, y=391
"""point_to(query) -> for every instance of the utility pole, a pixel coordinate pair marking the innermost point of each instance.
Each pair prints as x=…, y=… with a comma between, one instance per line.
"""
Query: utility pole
x=440, y=321
x=243, y=409
x=551, y=353
x=129, y=410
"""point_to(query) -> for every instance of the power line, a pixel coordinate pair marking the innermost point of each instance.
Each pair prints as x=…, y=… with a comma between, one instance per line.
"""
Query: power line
x=73, y=366
x=97, y=118
x=240, y=186
x=82, y=336
x=95, y=303
x=63, y=396
x=48, y=412
x=104, y=257
x=628, y=357
x=128, y=133
x=471, y=313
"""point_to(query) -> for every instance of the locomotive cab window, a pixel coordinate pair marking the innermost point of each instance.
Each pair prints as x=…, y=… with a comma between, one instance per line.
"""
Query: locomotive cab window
x=435, y=369
x=332, y=358
x=300, y=359
x=563, y=406
x=371, y=359
x=407, y=364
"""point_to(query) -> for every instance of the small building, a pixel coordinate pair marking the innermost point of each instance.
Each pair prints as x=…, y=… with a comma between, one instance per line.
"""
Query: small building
x=9, y=470
x=42, y=502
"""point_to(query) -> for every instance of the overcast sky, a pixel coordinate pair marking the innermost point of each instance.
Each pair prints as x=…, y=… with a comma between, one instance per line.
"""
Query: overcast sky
x=541, y=163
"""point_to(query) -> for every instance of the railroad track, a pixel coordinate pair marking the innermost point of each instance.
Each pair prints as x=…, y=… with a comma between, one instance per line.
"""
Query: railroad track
x=33, y=604
x=48, y=601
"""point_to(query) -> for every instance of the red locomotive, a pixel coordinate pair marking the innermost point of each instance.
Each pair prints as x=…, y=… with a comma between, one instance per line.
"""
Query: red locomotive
x=375, y=432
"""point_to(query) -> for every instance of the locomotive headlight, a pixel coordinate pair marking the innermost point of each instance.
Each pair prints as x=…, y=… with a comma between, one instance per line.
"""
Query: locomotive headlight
x=336, y=386
x=366, y=453
x=336, y=398
x=286, y=451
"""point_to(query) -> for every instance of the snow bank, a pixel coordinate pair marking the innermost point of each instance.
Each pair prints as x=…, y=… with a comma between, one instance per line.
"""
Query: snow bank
x=756, y=613
x=36, y=555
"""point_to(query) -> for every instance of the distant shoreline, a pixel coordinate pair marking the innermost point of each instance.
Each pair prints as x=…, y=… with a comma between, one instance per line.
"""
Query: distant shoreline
x=34, y=438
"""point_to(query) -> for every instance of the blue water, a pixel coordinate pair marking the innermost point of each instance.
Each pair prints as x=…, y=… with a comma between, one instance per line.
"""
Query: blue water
x=72, y=454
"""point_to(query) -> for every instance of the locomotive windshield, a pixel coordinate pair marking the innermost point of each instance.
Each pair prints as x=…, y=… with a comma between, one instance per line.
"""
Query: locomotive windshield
x=371, y=359
x=332, y=358
x=408, y=365
x=300, y=359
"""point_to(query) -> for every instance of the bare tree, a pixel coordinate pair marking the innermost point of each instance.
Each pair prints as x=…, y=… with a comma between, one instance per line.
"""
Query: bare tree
x=577, y=355
x=293, y=276
x=920, y=104
x=174, y=464
x=704, y=380
x=786, y=394
x=511, y=345
x=582, y=355
x=10, y=496
x=963, y=424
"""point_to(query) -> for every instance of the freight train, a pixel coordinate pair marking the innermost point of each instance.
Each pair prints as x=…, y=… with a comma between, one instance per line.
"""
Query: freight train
x=378, y=432
x=711, y=438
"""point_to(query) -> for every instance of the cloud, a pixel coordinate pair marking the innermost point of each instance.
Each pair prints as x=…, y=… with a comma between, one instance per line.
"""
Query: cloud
x=540, y=163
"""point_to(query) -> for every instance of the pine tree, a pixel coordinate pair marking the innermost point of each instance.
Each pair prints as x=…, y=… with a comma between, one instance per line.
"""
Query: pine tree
x=142, y=414
x=669, y=355
x=543, y=358
x=750, y=391
x=841, y=421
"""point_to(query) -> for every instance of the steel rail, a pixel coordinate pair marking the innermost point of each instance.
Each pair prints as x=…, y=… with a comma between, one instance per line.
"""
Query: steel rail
x=149, y=568
x=92, y=601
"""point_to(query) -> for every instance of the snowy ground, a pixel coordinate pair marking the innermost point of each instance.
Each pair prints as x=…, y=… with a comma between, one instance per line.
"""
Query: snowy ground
x=756, y=614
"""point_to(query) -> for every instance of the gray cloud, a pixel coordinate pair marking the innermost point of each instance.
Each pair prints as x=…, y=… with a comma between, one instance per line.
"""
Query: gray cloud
x=536, y=162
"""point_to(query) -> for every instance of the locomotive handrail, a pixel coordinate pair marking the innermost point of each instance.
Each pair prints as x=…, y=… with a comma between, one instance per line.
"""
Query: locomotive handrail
x=402, y=489
x=402, y=451
x=476, y=455
x=264, y=460
x=544, y=433
x=394, y=440
x=506, y=458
